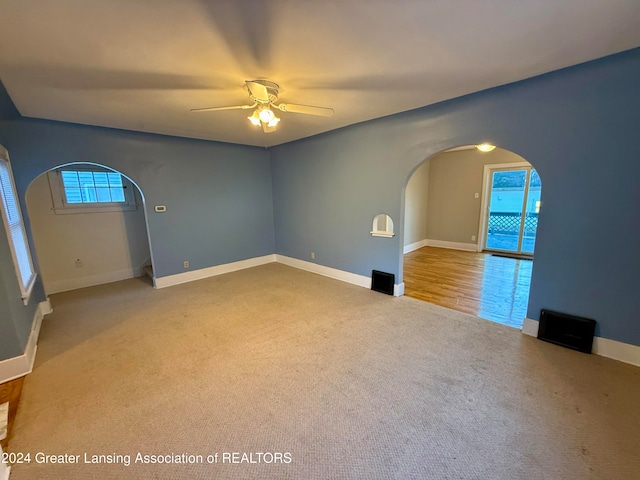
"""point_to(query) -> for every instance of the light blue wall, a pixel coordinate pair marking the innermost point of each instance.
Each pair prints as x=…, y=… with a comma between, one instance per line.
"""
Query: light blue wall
x=579, y=129
x=15, y=318
x=218, y=195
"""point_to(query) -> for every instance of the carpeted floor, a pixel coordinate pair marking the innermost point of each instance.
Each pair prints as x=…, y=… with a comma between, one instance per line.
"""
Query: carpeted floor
x=312, y=378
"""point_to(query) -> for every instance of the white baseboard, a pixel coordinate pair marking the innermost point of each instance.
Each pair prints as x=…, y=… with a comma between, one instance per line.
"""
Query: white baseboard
x=177, y=279
x=353, y=278
x=469, y=247
x=414, y=246
x=91, y=280
x=530, y=327
x=348, y=277
x=22, y=365
x=605, y=347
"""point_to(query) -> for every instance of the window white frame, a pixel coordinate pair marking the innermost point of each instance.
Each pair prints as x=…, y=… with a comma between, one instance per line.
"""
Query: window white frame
x=61, y=207
x=14, y=226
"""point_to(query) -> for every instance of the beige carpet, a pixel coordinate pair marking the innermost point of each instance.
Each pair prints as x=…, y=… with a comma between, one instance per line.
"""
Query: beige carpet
x=343, y=382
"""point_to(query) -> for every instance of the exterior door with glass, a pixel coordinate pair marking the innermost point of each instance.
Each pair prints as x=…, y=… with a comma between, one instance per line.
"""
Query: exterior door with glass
x=513, y=204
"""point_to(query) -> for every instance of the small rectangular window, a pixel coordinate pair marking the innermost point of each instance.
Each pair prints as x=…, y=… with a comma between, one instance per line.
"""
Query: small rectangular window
x=78, y=190
x=92, y=187
x=12, y=218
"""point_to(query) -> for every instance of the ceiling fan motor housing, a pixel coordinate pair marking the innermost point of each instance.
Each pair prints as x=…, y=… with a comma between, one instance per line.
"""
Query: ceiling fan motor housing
x=272, y=90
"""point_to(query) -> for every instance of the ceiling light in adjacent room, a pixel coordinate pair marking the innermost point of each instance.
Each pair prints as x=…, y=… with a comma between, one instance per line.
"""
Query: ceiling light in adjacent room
x=485, y=147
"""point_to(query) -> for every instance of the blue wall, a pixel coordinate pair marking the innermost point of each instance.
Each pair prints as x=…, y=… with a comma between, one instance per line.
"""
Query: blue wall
x=218, y=195
x=578, y=127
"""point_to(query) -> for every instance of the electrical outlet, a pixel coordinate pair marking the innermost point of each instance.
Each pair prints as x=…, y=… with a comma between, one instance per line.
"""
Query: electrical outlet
x=186, y=264
x=313, y=255
x=79, y=263
x=473, y=238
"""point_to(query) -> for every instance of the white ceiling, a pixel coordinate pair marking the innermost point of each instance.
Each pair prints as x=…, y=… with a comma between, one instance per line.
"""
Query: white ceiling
x=142, y=64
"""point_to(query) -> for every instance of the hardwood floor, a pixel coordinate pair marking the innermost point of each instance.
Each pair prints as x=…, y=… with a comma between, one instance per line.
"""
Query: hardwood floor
x=10, y=392
x=492, y=287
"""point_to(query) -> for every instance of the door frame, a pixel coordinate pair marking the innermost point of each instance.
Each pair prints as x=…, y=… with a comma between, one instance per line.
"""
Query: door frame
x=486, y=187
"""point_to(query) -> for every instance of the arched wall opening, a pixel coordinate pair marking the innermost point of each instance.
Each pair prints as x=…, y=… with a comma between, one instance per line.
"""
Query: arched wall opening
x=80, y=245
x=469, y=229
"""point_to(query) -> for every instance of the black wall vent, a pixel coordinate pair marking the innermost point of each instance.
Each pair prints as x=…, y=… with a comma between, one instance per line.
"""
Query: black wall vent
x=567, y=330
x=382, y=282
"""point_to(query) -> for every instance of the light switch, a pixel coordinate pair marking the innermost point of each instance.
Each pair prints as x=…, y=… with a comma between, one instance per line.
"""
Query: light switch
x=160, y=208
x=476, y=195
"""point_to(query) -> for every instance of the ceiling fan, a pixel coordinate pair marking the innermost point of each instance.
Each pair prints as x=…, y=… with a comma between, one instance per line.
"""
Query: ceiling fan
x=264, y=95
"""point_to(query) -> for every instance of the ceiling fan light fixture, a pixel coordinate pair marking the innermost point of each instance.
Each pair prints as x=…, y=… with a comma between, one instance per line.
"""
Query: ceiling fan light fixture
x=266, y=115
x=273, y=122
x=485, y=147
x=254, y=118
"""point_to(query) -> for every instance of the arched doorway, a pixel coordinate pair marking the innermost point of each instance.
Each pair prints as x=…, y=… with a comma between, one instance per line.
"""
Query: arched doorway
x=89, y=226
x=469, y=232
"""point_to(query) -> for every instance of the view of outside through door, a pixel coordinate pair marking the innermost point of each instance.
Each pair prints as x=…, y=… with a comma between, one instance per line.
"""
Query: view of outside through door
x=514, y=203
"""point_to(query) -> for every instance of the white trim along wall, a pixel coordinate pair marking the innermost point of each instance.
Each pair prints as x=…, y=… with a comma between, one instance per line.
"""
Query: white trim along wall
x=623, y=352
x=355, y=279
x=22, y=365
x=467, y=247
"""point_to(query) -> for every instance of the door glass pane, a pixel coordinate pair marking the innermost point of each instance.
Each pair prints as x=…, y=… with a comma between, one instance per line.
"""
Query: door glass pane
x=505, y=209
x=531, y=213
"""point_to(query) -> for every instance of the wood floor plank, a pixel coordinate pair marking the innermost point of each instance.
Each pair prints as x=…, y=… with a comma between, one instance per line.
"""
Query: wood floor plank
x=492, y=287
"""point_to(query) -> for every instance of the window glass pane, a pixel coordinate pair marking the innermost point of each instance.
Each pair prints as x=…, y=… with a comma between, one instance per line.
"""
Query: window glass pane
x=73, y=195
x=86, y=179
x=70, y=179
x=117, y=195
x=104, y=196
x=89, y=194
x=115, y=180
x=100, y=179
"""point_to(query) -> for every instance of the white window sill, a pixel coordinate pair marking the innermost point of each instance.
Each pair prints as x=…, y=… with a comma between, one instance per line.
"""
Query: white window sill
x=94, y=209
x=26, y=296
x=378, y=233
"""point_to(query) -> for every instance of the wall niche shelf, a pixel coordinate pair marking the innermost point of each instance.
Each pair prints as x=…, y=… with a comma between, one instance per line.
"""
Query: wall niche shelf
x=382, y=226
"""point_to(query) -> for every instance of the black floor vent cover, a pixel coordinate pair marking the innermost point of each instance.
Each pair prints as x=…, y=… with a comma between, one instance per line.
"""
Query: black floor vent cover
x=567, y=330
x=382, y=282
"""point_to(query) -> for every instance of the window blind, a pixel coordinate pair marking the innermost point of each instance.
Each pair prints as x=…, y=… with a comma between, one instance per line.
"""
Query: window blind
x=15, y=230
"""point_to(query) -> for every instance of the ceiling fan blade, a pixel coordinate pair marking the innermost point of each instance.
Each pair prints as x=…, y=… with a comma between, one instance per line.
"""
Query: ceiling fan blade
x=306, y=109
x=215, y=109
x=258, y=91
